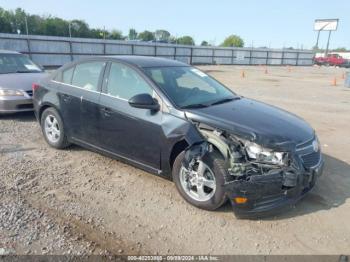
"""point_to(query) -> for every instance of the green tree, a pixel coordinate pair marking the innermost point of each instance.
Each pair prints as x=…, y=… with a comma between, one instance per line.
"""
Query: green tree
x=233, y=41
x=172, y=40
x=185, y=40
x=55, y=26
x=35, y=24
x=5, y=21
x=204, y=43
x=340, y=49
x=80, y=28
x=132, y=34
x=19, y=20
x=162, y=35
x=146, y=36
x=116, y=35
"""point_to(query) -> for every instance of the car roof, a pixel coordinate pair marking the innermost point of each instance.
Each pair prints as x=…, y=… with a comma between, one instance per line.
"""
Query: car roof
x=2, y=51
x=147, y=61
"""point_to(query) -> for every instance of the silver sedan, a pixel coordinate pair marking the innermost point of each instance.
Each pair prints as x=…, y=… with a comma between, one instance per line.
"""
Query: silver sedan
x=17, y=75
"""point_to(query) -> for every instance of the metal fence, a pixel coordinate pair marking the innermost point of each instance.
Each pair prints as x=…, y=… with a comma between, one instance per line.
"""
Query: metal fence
x=52, y=51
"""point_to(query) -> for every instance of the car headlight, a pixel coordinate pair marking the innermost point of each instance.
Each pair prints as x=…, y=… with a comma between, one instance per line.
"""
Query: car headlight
x=254, y=151
x=10, y=92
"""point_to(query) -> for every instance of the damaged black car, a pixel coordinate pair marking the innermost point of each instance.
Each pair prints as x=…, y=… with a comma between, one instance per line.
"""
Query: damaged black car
x=176, y=121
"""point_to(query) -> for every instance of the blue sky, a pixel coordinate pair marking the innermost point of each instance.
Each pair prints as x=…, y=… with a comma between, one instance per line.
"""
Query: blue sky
x=274, y=23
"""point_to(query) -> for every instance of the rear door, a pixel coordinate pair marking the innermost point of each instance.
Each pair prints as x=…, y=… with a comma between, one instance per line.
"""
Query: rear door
x=69, y=102
x=127, y=131
x=87, y=77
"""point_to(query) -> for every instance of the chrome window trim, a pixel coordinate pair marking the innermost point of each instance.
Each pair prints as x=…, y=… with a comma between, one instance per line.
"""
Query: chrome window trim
x=57, y=82
x=98, y=92
x=112, y=96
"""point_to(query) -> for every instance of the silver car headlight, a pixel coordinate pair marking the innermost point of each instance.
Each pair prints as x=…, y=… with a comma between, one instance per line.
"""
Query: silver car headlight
x=10, y=92
x=257, y=152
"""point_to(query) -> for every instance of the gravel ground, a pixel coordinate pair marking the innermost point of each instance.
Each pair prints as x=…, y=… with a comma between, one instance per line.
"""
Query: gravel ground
x=78, y=202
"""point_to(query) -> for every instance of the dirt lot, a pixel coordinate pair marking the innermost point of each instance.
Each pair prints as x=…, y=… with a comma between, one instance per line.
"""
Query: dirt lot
x=76, y=201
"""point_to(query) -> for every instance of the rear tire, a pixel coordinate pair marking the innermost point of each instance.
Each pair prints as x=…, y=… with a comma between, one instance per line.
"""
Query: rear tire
x=53, y=129
x=215, y=197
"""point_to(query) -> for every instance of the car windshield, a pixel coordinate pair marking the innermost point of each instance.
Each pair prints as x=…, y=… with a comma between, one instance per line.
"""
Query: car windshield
x=17, y=63
x=189, y=87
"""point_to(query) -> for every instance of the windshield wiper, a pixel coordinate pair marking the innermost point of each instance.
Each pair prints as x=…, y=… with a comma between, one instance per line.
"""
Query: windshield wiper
x=225, y=100
x=195, y=106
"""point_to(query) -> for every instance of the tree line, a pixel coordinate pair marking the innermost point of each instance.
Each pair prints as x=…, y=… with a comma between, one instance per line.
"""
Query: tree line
x=20, y=22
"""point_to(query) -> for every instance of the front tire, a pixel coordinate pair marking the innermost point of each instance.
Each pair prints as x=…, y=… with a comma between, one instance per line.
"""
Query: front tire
x=53, y=129
x=204, y=191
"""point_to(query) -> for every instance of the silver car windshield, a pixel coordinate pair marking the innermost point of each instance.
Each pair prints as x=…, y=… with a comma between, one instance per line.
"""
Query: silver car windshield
x=189, y=87
x=17, y=63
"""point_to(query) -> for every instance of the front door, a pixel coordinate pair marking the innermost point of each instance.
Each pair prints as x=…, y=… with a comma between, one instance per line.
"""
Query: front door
x=127, y=131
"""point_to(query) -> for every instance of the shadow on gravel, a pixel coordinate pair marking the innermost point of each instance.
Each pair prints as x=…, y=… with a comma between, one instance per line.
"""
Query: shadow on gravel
x=331, y=191
x=76, y=148
x=8, y=148
x=20, y=117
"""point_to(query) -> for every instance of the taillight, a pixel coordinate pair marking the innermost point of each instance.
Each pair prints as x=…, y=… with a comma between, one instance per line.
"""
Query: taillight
x=35, y=87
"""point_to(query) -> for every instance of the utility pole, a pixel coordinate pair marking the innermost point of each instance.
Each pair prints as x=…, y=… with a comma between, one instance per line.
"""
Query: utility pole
x=26, y=23
x=70, y=29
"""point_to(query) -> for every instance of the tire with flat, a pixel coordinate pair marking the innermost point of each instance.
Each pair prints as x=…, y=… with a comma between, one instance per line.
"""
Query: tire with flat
x=53, y=128
x=216, y=165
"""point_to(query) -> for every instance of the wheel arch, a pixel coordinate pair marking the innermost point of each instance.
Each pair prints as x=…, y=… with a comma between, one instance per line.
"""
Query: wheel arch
x=43, y=107
x=183, y=145
x=178, y=147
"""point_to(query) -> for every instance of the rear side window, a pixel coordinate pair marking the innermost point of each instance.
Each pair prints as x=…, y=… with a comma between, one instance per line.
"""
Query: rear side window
x=87, y=75
x=124, y=82
x=67, y=75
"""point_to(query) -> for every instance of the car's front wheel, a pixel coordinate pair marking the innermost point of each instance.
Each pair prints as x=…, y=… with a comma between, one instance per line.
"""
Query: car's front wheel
x=52, y=128
x=202, y=186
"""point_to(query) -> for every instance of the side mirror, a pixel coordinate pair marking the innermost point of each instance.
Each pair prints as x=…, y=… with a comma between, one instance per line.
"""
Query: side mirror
x=144, y=101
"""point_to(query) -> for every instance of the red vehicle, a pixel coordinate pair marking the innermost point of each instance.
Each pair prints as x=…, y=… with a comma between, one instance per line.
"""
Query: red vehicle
x=332, y=60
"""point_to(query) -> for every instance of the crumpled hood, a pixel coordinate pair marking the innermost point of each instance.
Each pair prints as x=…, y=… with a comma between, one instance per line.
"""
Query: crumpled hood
x=266, y=125
x=20, y=81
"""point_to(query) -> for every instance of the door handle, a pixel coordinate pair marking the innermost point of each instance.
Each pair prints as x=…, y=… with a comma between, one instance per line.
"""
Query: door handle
x=106, y=111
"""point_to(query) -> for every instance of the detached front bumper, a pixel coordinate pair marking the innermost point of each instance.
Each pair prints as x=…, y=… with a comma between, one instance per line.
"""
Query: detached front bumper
x=266, y=194
x=14, y=104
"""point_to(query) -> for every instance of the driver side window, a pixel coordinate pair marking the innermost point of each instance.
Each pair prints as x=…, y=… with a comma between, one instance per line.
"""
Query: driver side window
x=124, y=82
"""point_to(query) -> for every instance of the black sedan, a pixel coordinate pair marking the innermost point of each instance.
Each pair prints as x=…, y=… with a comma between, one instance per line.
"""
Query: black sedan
x=174, y=120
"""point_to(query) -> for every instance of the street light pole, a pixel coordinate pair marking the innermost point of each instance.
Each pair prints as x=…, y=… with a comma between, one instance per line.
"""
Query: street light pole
x=329, y=36
x=318, y=38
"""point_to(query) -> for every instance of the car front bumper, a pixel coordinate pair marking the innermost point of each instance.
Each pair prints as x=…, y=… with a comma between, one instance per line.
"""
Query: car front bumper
x=266, y=194
x=13, y=104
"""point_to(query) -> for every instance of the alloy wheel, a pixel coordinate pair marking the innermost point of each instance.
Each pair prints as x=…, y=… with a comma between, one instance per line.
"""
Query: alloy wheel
x=198, y=182
x=52, y=129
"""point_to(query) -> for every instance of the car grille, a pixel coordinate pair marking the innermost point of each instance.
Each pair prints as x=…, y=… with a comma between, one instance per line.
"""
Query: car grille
x=312, y=159
x=308, y=155
x=30, y=93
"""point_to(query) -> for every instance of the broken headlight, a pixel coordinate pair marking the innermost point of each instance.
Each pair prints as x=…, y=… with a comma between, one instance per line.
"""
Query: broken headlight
x=260, y=154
